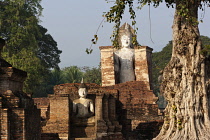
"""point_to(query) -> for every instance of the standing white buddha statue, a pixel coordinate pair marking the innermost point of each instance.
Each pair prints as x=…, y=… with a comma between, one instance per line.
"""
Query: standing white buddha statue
x=124, y=58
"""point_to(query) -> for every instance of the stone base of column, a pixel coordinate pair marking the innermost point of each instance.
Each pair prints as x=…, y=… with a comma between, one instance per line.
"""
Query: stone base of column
x=101, y=129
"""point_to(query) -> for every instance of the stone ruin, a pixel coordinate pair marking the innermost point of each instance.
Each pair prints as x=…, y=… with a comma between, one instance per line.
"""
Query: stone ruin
x=20, y=118
x=60, y=119
x=136, y=103
x=124, y=106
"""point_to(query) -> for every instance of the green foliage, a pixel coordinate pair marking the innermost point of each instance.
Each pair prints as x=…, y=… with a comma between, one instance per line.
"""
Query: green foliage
x=26, y=60
x=206, y=44
x=161, y=59
x=18, y=23
x=55, y=77
x=49, y=56
x=116, y=12
x=89, y=50
x=28, y=46
x=205, y=40
x=92, y=75
x=115, y=15
x=174, y=108
x=206, y=50
x=72, y=74
x=47, y=51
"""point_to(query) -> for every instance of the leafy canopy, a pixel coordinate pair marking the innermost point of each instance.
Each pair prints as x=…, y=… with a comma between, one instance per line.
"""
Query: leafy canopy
x=71, y=74
x=114, y=15
x=28, y=46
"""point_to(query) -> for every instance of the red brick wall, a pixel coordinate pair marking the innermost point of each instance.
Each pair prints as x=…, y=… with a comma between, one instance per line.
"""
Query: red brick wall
x=11, y=79
x=20, y=119
x=136, y=104
x=107, y=65
x=43, y=104
x=59, y=116
x=17, y=121
x=143, y=64
x=50, y=136
x=33, y=123
x=5, y=127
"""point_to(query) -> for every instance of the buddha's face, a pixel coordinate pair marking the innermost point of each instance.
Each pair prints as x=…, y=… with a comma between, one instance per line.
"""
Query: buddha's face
x=82, y=92
x=126, y=41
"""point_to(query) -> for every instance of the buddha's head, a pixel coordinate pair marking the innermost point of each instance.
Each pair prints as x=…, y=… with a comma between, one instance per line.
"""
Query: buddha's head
x=82, y=90
x=125, y=36
x=126, y=41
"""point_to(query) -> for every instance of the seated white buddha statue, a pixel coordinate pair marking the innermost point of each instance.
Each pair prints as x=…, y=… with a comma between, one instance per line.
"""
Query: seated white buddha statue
x=83, y=108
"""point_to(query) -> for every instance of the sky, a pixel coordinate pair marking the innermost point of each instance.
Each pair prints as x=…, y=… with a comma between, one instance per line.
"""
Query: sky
x=73, y=23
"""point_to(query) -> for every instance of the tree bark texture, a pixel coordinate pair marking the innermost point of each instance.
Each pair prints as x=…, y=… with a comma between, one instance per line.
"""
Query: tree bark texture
x=185, y=82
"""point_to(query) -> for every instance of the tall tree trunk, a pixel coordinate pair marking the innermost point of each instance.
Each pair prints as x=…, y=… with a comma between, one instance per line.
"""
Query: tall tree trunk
x=185, y=82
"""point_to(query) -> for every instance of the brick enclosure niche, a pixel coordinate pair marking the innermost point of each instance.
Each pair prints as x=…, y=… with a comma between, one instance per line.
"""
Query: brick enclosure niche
x=60, y=113
x=143, y=65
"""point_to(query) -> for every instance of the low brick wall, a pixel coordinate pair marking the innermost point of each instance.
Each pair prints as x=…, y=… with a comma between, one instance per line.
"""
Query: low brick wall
x=136, y=104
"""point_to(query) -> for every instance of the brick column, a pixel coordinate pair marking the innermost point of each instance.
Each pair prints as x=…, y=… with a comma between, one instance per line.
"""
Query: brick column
x=17, y=123
x=59, y=116
x=5, y=130
x=143, y=65
x=107, y=65
x=112, y=114
x=106, y=113
x=101, y=128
